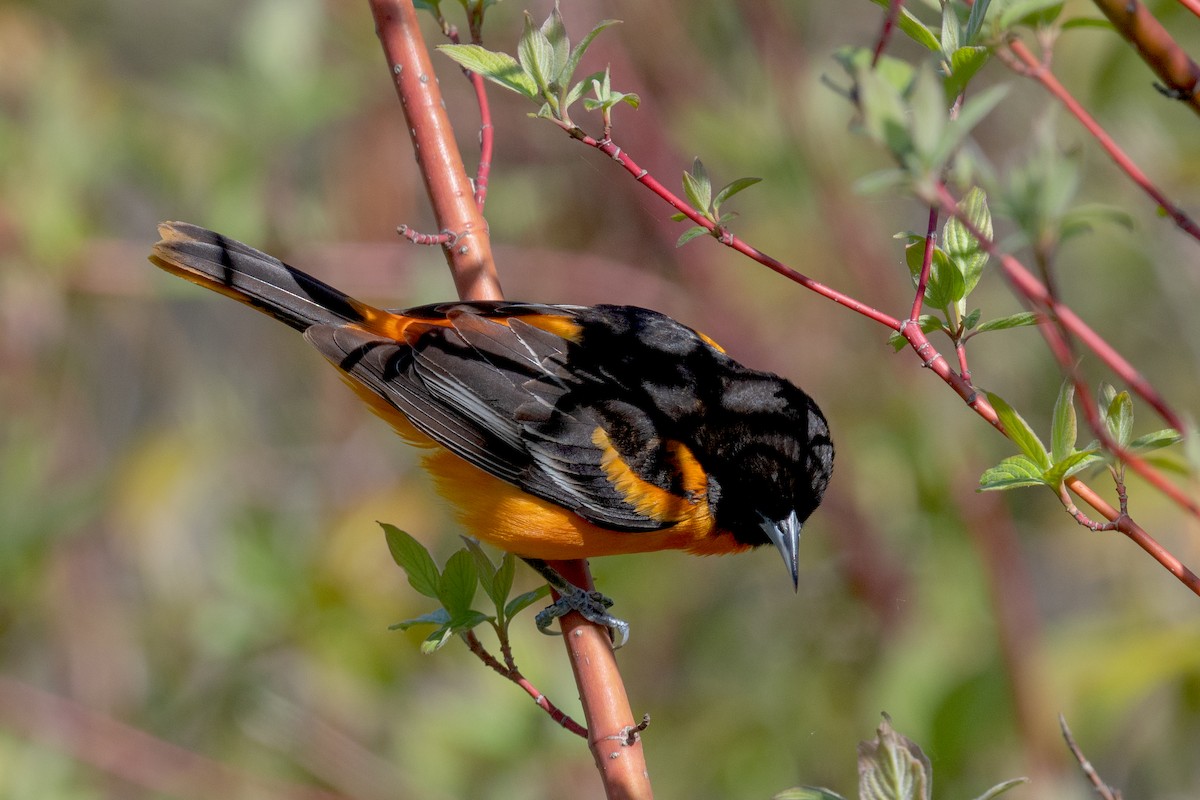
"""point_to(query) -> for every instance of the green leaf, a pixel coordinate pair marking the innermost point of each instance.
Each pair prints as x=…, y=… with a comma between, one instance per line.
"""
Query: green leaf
x=439, y=617
x=468, y=620
x=971, y=320
x=1001, y=788
x=964, y=63
x=560, y=46
x=1119, y=418
x=606, y=98
x=808, y=793
x=523, y=601
x=1063, y=427
x=1019, y=432
x=1030, y=12
x=584, y=44
x=414, y=559
x=892, y=767
x=536, y=55
x=1072, y=464
x=927, y=323
x=698, y=186
x=927, y=120
x=884, y=112
x=971, y=114
x=880, y=180
x=730, y=189
x=485, y=570
x=437, y=640
x=1088, y=22
x=691, y=233
x=504, y=578
x=1083, y=218
x=1018, y=320
x=1012, y=473
x=597, y=80
x=951, y=29
x=945, y=284
x=975, y=21
x=1154, y=441
x=499, y=68
x=913, y=28
x=459, y=582
x=963, y=248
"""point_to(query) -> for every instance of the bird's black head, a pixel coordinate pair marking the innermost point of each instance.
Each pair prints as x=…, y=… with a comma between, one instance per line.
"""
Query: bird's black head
x=772, y=459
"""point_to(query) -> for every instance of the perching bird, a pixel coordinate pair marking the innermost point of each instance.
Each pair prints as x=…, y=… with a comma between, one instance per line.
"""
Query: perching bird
x=557, y=431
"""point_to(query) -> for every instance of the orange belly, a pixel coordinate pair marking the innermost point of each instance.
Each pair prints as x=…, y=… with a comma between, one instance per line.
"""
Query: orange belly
x=505, y=516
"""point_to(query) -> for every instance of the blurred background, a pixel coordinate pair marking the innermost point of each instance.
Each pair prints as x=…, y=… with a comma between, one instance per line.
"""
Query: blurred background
x=194, y=592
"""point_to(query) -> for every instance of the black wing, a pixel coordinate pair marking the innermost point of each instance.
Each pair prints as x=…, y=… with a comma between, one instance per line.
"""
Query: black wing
x=506, y=396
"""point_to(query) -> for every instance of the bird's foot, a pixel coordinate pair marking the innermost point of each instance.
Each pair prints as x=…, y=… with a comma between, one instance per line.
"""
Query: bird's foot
x=592, y=606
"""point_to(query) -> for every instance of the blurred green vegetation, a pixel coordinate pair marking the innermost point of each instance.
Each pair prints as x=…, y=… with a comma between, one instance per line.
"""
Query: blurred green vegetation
x=188, y=496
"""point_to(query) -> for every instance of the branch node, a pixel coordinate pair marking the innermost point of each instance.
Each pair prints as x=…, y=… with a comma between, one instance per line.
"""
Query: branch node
x=445, y=239
x=629, y=735
x=1174, y=92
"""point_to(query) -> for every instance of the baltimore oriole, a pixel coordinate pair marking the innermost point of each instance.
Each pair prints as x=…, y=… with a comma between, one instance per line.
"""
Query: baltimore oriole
x=557, y=431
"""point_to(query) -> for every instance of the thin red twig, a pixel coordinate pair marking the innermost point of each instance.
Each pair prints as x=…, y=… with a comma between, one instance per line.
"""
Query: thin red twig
x=441, y=165
x=1102, y=789
x=643, y=176
x=510, y=672
x=487, y=131
x=1191, y=5
x=1033, y=68
x=926, y=264
x=885, y=33
x=1035, y=291
x=1020, y=277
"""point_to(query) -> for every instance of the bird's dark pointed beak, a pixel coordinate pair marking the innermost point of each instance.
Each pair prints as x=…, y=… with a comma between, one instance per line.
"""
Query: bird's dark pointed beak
x=785, y=533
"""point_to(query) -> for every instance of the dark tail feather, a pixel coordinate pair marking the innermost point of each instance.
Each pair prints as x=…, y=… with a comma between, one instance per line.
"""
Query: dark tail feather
x=252, y=277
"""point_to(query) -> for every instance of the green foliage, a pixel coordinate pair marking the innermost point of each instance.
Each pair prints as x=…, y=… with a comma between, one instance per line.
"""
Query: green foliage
x=187, y=510
x=954, y=271
x=697, y=186
x=905, y=111
x=1039, y=196
x=455, y=586
x=544, y=69
x=1038, y=466
x=891, y=767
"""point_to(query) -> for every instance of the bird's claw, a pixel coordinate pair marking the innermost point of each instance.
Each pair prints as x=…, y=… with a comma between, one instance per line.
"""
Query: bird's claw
x=592, y=606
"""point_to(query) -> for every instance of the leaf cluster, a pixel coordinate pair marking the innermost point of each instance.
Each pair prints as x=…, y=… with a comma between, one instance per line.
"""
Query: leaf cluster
x=544, y=68
x=955, y=268
x=697, y=185
x=1037, y=465
x=455, y=587
x=892, y=767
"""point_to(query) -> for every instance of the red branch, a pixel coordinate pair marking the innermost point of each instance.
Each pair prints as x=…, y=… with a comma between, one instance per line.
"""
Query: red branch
x=885, y=33
x=926, y=264
x=513, y=674
x=726, y=238
x=1156, y=47
x=1025, y=283
x=487, y=132
x=450, y=192
x=601, y=689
